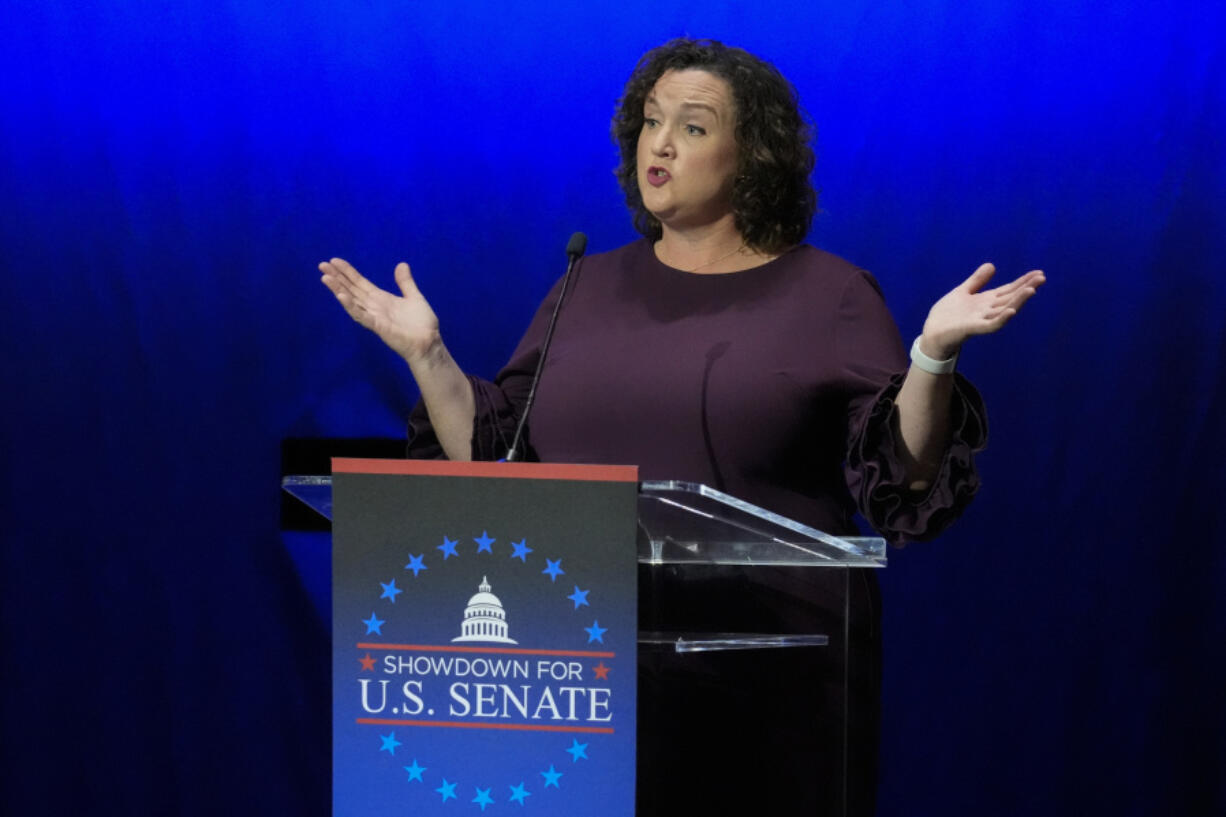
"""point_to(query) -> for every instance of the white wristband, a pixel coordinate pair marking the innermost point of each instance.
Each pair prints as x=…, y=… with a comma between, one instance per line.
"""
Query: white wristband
x=928, y=364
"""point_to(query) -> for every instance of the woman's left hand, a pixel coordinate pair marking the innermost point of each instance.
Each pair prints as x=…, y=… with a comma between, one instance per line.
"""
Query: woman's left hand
x=968, y=311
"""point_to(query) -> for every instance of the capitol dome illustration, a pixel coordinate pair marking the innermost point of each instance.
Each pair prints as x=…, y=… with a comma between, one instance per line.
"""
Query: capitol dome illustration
x=484, y=618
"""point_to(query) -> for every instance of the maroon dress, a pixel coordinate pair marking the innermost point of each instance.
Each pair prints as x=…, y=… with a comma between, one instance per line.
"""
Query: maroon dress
x=776, y=385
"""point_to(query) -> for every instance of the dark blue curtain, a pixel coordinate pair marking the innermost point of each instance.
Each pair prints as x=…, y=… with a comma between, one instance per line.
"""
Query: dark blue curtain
x=172, y=172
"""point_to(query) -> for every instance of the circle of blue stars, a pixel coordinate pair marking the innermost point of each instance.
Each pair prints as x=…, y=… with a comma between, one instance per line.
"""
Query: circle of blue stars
x=551, y=778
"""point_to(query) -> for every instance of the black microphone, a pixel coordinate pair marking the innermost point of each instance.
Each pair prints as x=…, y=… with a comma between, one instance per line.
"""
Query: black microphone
x=575, y=248
x=574, y=251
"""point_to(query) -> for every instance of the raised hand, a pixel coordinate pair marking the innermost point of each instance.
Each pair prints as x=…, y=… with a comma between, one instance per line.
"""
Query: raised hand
x=971, y=310
x=409, y=326
x=404, y=322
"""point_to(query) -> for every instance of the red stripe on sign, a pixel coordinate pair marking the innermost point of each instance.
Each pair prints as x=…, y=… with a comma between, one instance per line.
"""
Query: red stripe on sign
x=510, y=470
x=518, y=727
x=365, y=645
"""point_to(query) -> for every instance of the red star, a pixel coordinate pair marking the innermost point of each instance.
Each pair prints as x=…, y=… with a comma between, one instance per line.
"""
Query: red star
x=602, y=672
x=368, y=663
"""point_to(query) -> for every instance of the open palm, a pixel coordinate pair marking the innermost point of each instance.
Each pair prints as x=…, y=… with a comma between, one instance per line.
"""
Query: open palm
x=404, y=322
x=971, y=310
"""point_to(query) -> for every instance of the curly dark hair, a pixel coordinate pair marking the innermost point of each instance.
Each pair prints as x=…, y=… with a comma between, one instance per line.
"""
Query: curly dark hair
x=772, y=199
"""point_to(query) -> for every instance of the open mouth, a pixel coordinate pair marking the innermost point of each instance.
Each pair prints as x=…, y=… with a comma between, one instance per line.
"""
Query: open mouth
x=657, y=176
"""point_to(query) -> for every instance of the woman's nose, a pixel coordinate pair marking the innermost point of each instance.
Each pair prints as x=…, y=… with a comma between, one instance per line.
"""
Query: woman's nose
x=662, y=142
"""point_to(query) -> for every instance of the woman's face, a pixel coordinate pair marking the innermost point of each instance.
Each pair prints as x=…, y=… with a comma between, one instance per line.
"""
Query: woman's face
x=687, y=153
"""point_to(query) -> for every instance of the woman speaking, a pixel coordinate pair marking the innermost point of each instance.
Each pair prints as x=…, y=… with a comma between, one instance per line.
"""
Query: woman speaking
x=720, y=349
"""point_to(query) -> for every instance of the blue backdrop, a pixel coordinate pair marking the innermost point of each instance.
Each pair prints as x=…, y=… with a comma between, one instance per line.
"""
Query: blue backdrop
x=172, y=172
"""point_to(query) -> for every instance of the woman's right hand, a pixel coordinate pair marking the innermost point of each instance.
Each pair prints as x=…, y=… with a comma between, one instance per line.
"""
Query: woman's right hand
x=404, y=322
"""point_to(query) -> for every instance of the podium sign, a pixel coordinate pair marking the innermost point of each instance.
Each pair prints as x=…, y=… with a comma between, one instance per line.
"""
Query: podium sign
x=484, y=634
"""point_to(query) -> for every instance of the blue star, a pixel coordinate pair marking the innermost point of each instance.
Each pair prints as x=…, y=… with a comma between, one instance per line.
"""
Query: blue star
x=390, y=590
x=447, y=790
x=374, y=625
x=579, y=597
x=596, y=632
x=554, y=569
x=448, y=548
x=389, y=743
x=483, y=798
x=417, y=564
x=484, y=542
x=415, y=771
x=518, y=793
x=521, y=550
x=551, y=777
x=577, y=750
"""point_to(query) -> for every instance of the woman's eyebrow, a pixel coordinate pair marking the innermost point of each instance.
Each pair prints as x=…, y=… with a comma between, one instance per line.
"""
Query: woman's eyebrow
x=701, y=106
x=685, y=106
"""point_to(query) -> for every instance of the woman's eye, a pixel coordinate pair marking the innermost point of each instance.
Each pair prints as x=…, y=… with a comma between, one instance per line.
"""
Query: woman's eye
x=694, y=130
x=648, y=122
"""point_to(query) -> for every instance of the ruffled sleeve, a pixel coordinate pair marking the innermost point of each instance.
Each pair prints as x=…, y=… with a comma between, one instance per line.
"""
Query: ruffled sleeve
x=873, y=366
x=494, y=424
x=875, y=474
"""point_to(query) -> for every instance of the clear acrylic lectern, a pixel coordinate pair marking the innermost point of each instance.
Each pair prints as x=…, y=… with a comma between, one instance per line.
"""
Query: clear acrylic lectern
x=689, y=533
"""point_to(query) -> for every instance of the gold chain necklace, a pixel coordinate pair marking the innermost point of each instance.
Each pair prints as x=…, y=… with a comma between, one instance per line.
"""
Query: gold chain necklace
x=738, y=248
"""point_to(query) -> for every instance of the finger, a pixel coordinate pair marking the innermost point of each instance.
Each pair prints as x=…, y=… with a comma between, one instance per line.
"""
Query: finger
x=404, y=280
x=329, y=272
x=1018, y=298
x=1027, y=280
x=979, y=277
x=336, y=282
x=993, y=322
x=345, y=298
x=1004, y=317
x=332, y=280
x=1019, y=291
x=1003, y=310
x=1011, y=297
x=1032, y=279
x=333, y=274
x=356, y=280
